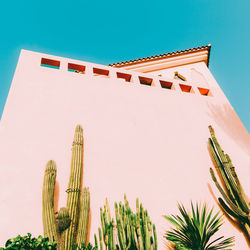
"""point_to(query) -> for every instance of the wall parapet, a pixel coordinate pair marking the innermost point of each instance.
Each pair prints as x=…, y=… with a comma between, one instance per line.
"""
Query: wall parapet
x=126, y=76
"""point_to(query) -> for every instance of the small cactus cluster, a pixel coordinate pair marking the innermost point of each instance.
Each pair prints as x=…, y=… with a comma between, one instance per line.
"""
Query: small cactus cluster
x=71, y=224
x=235, y=203
x=128, y=231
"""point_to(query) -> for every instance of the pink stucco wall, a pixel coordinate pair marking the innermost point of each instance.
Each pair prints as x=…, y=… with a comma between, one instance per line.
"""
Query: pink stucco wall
x=144, y=141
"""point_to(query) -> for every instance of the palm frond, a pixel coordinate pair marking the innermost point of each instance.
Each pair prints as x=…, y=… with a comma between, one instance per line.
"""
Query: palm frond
x=194, y=230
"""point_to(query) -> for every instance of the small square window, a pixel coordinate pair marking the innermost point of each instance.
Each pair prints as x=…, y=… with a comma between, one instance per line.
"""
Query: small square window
x=45, y=62
x=145, y=81
x=126, y=77
x=76, y=68
x=166, y=85
x=103, y=72
x=186, y=88
x=205, y=92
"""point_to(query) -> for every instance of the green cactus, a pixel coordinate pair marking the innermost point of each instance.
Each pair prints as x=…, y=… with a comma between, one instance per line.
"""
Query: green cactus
x=235, y=202
x=63, y=219
x=131, y=230
x=74, y=188
x=82, y=232
x=71, y=224
x=49, y=220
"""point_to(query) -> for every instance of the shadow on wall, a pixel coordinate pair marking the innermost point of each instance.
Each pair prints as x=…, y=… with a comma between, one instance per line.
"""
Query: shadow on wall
x=227, y=119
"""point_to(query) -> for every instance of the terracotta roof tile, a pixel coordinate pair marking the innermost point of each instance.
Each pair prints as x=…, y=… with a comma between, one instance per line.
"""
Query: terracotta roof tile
x=162, y=56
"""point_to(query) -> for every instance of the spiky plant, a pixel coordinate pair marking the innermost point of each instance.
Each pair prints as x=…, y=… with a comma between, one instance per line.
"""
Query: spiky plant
x=194, y=230
x=71, y=224
x=235, y=202
x=129, y=230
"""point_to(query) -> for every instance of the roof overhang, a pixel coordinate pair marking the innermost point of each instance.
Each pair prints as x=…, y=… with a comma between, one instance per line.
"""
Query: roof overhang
x=168, y=60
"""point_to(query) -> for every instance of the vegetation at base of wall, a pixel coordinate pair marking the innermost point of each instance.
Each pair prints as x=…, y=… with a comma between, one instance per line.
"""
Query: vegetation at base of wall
x=71, y=224
x=129, y=230
x=82, y=246
x=27, y=242
x=39, y=243
x=194, y=230
x=234, y=201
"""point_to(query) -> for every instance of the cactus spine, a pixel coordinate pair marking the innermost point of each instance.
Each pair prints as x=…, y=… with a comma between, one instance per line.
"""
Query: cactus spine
x=49, y=220
x=235, y=204
x=71, y=224
x=131, y=231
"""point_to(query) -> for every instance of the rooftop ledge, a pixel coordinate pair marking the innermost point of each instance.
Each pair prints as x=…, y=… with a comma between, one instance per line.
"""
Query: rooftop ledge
x=167, y=60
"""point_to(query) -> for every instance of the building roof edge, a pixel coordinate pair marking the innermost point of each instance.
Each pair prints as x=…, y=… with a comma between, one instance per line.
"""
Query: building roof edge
x=165, y=55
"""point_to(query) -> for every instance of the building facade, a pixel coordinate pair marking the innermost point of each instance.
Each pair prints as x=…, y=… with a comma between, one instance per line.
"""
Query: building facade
x=145, y=134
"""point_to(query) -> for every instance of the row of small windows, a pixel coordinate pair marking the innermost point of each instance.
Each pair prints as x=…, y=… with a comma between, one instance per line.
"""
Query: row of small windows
x=127, y=77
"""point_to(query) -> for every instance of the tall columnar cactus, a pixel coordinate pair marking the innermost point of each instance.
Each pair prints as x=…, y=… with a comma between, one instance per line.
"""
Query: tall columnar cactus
x=71, y=224
x=74, y=187
x=131, y=230
x=49, y=220
x=235, y=202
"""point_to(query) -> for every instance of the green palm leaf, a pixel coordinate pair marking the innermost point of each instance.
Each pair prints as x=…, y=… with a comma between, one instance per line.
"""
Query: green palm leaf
x=194, y=230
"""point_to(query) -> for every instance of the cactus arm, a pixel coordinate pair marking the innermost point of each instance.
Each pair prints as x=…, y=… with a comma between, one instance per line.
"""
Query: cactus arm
x=233, y=172
x=113, y=234
x=134, y=237
x=96, y=242
x=74, y=187
x=222, y=172
x=102, y=222
x=237, y=192
x=129, y=236
x=121, y=235
x=138, y=232
x=146, y=234
x=155, y=237
x=63, y=220
x=230, y=211
x=49, y=220
x=82, y=231
x=108, y=211
x=216, y=143
x=244, y=221
x=100, y=238
x=229, y=202
x=236, y=189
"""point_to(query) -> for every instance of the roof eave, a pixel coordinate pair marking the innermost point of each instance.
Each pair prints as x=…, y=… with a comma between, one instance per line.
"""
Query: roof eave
x=164, y=56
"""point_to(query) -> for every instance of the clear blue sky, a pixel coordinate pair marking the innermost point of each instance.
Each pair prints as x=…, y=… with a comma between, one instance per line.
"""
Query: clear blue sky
x=110, y=31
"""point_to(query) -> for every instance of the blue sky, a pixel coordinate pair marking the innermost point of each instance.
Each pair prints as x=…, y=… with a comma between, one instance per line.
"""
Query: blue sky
x=111, y=31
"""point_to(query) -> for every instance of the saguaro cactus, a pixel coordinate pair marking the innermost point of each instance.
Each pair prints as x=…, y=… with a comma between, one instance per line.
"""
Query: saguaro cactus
x=235, y=203
x=131, y=230
x=74, y=187
x=73, y=220
x=49, y=220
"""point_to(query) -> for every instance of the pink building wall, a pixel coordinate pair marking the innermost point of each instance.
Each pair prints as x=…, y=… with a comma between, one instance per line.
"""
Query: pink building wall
x=147, y=142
